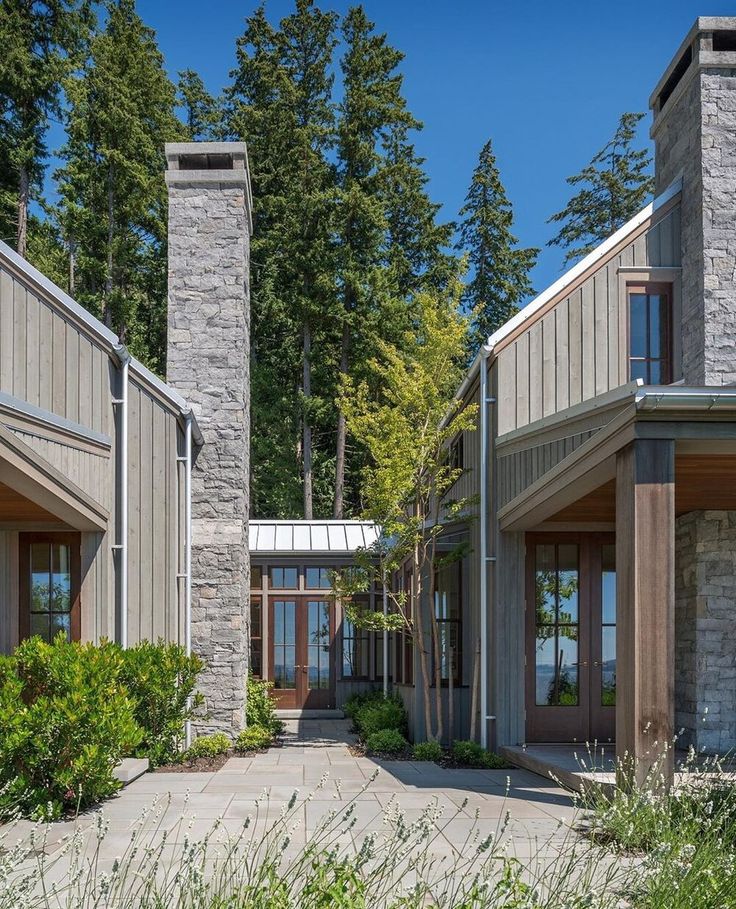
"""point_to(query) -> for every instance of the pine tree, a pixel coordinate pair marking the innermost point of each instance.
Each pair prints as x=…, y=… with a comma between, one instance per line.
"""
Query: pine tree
x=41, y=43
x=372, y=109
x=112, y=210
x=281, y=104
x=500, y=269
x=615, y=186
x=203, y=113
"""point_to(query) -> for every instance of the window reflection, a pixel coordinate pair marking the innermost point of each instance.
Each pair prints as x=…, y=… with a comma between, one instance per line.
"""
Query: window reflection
x=51, y=590
x=608, y=629
x=557, y=630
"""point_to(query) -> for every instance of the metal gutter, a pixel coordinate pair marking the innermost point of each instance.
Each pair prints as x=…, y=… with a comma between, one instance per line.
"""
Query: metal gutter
x=23, y=409
x=679, y=397
x=121, y=453
x=485, y=402
x=188, y=548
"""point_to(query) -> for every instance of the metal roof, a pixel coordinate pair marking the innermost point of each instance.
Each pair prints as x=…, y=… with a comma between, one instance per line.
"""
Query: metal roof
x=297, y=537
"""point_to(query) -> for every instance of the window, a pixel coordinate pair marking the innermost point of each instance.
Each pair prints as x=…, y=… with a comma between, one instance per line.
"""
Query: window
x=284, y=578
x=256, y=577
x=49, y=585
x=318, y=578
x=404, y=645
x=608, y=625
x=455, y=454
x=256, y=637
x=447, y=605
x=556, y=585
x=355, y=646
x=650, y=333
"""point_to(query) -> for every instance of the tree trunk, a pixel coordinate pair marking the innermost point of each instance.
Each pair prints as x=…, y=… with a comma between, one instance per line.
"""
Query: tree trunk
x=339, y=506
x=306, y=426
x=24, y=192
x=107, y=308
x=420, y=640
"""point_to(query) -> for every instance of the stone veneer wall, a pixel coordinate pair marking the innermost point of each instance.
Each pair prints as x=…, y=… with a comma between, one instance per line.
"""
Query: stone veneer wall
x=208, y=357
x=695, y=136
x=705, y=630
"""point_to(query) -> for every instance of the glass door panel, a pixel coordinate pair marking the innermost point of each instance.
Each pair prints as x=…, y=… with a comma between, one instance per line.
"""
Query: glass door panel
x=50, y=590
x=318, y=645
x=284, y=645
x=557, y=625
x=608, y=625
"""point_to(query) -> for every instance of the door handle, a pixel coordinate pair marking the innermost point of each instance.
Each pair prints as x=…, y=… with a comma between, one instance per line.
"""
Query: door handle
x=581, y=663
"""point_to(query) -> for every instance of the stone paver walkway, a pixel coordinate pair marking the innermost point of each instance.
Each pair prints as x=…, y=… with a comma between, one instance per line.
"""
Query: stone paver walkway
x=316, y=760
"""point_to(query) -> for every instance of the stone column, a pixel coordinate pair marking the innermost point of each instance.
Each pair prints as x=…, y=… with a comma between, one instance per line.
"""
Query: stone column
x=705, y=643
x=208, y=355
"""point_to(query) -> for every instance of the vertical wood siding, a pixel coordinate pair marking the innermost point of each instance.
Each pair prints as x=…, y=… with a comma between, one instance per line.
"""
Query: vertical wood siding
x=573, y=353
x=8, y=590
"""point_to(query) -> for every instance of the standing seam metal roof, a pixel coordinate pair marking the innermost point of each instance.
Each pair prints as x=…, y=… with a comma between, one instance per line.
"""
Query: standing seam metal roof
x=292, y=537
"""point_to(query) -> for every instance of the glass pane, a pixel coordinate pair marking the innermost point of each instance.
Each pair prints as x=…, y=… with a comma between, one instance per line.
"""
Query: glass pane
x=287, y=578
x=40, y=577
x=655, y=349
x=556, y=668
x=61, y=590
x=61, y=622
x=655, y=373
x=318, y=639
x=256, y=577
x=284, y=672
x=546, y=584
x=638, y=325
x=638, y=370
x=284, y=622
x=567, y=583
x=317, y=578
x=318, y=623
x=663, y=341
x=255, y=619
x=40, y=625
x=608, y=585
x=608, y=670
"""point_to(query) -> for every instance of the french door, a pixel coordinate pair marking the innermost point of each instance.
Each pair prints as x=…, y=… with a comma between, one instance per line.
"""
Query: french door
x=302, y=665
x=570, y=637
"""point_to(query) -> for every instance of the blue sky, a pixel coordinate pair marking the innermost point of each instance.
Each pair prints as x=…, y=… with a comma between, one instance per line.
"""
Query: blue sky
x=546, y=81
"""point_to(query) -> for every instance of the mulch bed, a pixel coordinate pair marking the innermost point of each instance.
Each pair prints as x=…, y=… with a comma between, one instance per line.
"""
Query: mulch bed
x=198, y=765
x=446, y=761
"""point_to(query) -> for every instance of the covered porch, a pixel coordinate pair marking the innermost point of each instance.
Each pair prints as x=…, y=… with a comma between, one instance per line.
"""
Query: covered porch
x=656, y=483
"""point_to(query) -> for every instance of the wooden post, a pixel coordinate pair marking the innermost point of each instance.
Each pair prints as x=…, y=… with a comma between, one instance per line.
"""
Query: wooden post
x=474, y=699
x=645, y=602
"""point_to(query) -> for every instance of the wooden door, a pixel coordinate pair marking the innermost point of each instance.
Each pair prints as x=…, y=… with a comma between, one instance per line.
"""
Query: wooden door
x=302, y=664
x=571, y=637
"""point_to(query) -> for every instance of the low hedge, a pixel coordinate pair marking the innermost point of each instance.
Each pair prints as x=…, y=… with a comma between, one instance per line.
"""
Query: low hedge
x=376, y=714
x=66, y=720
x=208, y=746
x=386, y=741
x=254, y=738
x=471, y=754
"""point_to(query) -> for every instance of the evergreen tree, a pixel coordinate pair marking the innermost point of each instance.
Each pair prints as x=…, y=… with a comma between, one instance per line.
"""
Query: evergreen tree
x=281, y=104
x=203, y=114
x=372, y=110
x=614, y=187
x=500, y=279
x=41, y=44
x=112, y=210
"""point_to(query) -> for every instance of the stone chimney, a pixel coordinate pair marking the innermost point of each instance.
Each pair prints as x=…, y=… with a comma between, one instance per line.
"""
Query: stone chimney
x=694, y=132
x=208, y=354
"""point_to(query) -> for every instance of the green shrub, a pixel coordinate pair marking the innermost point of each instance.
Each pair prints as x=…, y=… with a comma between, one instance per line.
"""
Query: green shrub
x=427, y=751
x=160, y=679
x=260, y=709
x=207, y=746
x=358, y=700
x=386, y=713
x=253, y=738
x=386, y=741
x=473, y=755
x=66, y=720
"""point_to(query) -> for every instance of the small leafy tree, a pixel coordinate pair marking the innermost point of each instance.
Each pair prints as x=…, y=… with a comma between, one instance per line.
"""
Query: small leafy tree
x=614, y=186
x=406, y=418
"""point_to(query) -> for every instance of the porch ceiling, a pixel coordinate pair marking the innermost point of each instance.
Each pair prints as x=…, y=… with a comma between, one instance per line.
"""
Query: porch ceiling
x=702, y=482
x=17, y=508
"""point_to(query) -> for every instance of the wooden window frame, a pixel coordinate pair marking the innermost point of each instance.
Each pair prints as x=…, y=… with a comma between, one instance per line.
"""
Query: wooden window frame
x=272, y=568
x=256, y=640
x=74, y=542
x=458, y=674
x=651, y=288
x=320, y=569
x=358, y=634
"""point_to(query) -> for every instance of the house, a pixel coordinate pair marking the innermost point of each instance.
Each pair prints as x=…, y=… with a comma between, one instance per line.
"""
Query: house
x=602, y=576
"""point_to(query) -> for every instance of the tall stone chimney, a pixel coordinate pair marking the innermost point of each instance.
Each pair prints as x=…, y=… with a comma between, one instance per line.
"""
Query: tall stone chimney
x=694, y=132
x=208, y=354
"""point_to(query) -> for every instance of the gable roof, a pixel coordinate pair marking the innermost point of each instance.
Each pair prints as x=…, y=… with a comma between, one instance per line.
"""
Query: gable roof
x=310, y=537
x=96, y=329
x=536, y=308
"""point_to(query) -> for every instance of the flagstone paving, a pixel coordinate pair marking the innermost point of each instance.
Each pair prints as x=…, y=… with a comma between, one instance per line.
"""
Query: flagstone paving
x=315, y=761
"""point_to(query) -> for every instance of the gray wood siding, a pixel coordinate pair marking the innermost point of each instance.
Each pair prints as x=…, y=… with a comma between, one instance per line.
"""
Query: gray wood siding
x=48, y=361
x=8, y=590
x=574, y=352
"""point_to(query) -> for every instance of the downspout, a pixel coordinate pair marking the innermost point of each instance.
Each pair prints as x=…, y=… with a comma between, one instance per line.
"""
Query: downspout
x=121, y=546
x=485, y=559
x=188, y=550
x=385, y=636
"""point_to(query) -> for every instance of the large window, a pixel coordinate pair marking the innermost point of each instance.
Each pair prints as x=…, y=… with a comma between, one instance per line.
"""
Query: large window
x=284, y=578
x=49, y=585
x=608, y=625
x=448, y=613
x=256, y=637
x=650, y=333
x=404, y=645
x=355, y=645
x=318, y=578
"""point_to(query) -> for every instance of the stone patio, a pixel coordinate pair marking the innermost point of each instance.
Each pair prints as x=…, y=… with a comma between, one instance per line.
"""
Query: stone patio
x=316, y=760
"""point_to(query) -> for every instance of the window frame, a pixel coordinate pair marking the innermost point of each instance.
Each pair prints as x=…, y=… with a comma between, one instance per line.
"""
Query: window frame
x=457, y=678
x=284, y=568
x=357, y=634
x=652, y=288
x=320, y=569
x=74, y=542
x=256, y=640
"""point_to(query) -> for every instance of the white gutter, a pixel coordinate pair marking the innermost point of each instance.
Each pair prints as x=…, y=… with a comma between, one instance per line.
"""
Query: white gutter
x=188, y=548
x=485, y=402
x=385, y=636
x=122, y=454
